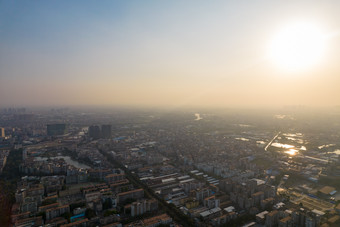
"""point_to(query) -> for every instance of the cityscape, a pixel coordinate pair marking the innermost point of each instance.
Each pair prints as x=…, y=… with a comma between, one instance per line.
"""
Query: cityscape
x=169, y=113
x=154, y=168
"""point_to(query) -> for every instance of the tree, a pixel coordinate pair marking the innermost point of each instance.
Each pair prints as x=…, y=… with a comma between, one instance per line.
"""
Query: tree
x=107, y=204
x=67, y=216
x=89, y=213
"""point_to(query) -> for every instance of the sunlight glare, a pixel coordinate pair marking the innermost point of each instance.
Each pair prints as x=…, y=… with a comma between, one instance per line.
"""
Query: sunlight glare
x=298, y=47
x=291, y=152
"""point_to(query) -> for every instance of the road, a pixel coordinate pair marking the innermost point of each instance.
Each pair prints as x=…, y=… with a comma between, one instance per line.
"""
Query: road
x=270, y=143
x=170, y=209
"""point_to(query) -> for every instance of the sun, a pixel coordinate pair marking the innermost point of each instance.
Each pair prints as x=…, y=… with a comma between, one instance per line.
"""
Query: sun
x=298, y=47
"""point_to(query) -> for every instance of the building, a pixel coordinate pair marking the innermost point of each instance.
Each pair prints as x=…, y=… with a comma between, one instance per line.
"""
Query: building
x=257, y=197
x=112, y=178
x=33, y=221
x=81, y=223
x=56, y=212
x=56, y=129
x=261, y=217
x=24, y=154
x=337, y=208
x=106, y=131
x=267, y=203
x=94, y=132
x=334, y=221
x=211, y=202
x=286, y=222
x=327, y=191
x=134, y=194
x=272, y=218
x=203, y=193
x=157, y=220
x=141, y=207
x=220, y=220
x=2, y=132
x=89, y=197
x=212, y=213
x=29, y=204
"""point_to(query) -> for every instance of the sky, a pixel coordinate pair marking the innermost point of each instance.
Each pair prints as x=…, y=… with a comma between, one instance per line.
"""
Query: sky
x=161, y=53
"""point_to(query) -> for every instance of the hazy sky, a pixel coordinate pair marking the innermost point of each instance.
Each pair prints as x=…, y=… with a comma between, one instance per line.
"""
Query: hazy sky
x=161, y=53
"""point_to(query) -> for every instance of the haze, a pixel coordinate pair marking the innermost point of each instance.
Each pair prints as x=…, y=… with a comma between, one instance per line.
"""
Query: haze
x=158, y=53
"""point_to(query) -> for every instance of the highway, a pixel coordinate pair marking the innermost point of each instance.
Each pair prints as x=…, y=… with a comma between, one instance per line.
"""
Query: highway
x=270, y=143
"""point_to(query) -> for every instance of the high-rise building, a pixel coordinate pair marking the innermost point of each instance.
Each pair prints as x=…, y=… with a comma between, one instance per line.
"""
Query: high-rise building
x=24, y=154
x=56, y=129
x=106, y=131
x=2, y=132
x=94, y=132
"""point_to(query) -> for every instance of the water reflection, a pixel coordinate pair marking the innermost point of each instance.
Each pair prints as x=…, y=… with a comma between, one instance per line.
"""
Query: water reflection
x=198, y=117
x=291, y=149
x=261, y=142
x=336, y=152
x=67, y=159
x=298, y=134
x=326, y=146
x=292, y=152
x=300, y=141
x=242, y=139
x=280, y=145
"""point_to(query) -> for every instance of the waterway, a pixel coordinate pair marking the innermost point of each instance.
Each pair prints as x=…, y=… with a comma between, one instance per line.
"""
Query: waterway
x=336, y=152
x=242, y=139
x=67, y=159
x=198, y=117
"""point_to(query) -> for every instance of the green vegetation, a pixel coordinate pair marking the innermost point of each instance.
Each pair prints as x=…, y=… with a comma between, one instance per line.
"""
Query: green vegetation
x=137, y=218
x=278, y=178
x=110, y=212
x=294, y=179
x=128, y=201
x=240, y=220
x=262, y=162
x=95, y=179
x=11, y=171
x=333, y=181
x=8, y=183
x=49, y=201
x=76, y=205
x=89, y=213
x=67, y=216
x=124, y=189
x=107, y=204
x=43, y=214
x=74, y=156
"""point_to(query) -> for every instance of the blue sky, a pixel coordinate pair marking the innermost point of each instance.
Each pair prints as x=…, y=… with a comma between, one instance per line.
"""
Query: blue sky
x=156, y=52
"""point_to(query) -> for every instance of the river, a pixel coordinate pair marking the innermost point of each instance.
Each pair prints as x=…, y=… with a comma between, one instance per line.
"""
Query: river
x=198, y=117
x=67, y=159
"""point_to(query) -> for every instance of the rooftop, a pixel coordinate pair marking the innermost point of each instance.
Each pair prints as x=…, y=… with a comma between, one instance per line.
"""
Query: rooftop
x=328, y=190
